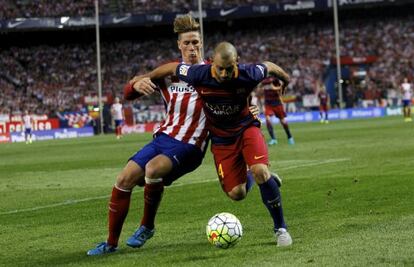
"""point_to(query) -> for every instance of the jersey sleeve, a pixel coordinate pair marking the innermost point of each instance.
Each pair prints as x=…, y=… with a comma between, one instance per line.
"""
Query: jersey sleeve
x=254, y=73
x=192, y=74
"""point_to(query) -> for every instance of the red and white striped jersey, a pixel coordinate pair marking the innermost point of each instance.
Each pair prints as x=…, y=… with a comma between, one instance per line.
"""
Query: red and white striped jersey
x=185, y=119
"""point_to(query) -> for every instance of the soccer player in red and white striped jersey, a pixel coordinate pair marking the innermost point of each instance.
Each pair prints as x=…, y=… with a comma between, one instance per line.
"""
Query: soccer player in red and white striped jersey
x=178, y=146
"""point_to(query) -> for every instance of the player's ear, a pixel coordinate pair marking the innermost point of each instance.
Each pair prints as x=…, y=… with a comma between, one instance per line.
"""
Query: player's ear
x=237, y=59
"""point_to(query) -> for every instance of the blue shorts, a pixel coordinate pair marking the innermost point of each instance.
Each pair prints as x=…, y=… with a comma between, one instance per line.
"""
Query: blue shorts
x=185, y=157
x=406, y=102
x=118, y=122
x=28, y=131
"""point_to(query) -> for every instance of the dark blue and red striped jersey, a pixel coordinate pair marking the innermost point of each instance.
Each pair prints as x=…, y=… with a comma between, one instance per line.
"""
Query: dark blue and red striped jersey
x=271, y=96
x=323, y=98
x=225, y=104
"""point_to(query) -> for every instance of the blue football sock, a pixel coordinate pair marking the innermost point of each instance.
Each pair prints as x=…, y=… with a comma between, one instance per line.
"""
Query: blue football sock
x=273, y=202
x=270, y=129
x=249, y=181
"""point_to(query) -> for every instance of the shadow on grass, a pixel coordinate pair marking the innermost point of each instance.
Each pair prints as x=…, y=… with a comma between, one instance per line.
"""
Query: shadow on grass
x=165, y=254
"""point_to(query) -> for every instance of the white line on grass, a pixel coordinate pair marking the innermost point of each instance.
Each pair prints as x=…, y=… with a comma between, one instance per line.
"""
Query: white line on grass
x=315, y=163
x=75, y=201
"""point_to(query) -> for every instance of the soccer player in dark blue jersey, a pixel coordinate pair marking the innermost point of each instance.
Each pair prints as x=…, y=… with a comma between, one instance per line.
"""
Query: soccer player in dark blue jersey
x=237, y=140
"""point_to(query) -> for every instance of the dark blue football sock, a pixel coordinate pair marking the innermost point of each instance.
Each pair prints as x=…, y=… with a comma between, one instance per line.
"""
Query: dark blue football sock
x=249, y=181
x=270, y=129
x=286, y=128
x=273, y=202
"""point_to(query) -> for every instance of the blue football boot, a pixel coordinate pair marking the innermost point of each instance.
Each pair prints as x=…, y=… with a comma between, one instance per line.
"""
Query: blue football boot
x=141, y=235
x=102, y=248
x=272, y=142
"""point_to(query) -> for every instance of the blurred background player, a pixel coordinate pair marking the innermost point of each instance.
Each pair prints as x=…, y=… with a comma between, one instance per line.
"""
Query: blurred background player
x=407, y=94
x=27, y=121
x=270, y=94
x=237, y=140
x=117, y=113
x=323, y=104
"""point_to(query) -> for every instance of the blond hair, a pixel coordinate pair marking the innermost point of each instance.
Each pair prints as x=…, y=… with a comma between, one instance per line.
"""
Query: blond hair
x=185, y=23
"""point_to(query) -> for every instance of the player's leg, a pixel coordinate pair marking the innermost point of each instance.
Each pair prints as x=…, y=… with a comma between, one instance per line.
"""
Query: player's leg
x=155, y=169
x=30, y=136
x=120, y=199
x=326, y=114
x=270, y=130
x=321, y=113
x=256, y=155
x=119, y=206
x=409, y=111
x=231, y=170
x=26, y=135
x=132, y=174
x=268, y=115
x=177, y=159
x=281, y=115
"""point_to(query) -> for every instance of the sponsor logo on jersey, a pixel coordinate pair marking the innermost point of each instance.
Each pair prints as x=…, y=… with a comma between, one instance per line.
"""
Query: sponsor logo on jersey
x=181, y=88
x=223, y=109
x=184, y=70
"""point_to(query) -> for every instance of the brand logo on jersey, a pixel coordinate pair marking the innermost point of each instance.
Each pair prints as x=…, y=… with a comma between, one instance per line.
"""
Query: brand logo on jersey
x=223, y=109
x=181, y=88
x=259, y=157
x=261, y=69
x=184, y=69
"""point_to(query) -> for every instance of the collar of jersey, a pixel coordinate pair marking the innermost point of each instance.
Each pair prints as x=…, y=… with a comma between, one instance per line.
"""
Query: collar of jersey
x=215, y=76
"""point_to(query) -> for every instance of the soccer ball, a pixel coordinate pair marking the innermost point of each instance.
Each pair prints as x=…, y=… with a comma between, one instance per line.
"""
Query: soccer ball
x=224, y=230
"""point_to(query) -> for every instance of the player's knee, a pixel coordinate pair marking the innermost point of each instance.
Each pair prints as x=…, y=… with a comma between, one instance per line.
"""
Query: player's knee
x=151, y=170
x=237, y=193
x=126, y=181
x=260, y=173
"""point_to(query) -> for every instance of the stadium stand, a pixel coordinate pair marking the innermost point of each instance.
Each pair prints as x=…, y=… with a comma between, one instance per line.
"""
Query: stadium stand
x=49, y=78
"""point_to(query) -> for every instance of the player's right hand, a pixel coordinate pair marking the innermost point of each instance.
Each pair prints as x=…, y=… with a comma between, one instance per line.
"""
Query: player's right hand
x=143, y=85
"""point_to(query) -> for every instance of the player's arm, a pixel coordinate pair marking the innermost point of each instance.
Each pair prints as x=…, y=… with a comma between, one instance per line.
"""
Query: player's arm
x=142, y=84
x=278, y=72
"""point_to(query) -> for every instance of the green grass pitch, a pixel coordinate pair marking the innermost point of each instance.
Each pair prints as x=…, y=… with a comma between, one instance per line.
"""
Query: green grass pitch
x=347, y=195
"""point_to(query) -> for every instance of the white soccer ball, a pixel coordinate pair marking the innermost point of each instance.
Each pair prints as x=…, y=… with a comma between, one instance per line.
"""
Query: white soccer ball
x=224, y=230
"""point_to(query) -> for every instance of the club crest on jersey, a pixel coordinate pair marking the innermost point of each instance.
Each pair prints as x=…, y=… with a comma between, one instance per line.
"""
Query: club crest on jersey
x=184, y=70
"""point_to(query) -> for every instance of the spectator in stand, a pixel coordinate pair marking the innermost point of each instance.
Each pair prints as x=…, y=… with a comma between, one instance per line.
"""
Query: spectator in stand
x=35, y=76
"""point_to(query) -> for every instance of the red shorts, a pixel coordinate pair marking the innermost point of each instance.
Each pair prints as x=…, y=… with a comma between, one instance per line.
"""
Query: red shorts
x=250, y=148
x=278, y=111
x=323, y=108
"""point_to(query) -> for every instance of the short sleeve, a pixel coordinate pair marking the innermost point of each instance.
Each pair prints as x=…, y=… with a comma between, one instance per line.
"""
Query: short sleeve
x=191, y=74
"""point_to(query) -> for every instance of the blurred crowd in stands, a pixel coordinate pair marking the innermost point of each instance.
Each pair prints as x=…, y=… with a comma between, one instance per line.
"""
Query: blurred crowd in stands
x=46, y=79
x=49, y=8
